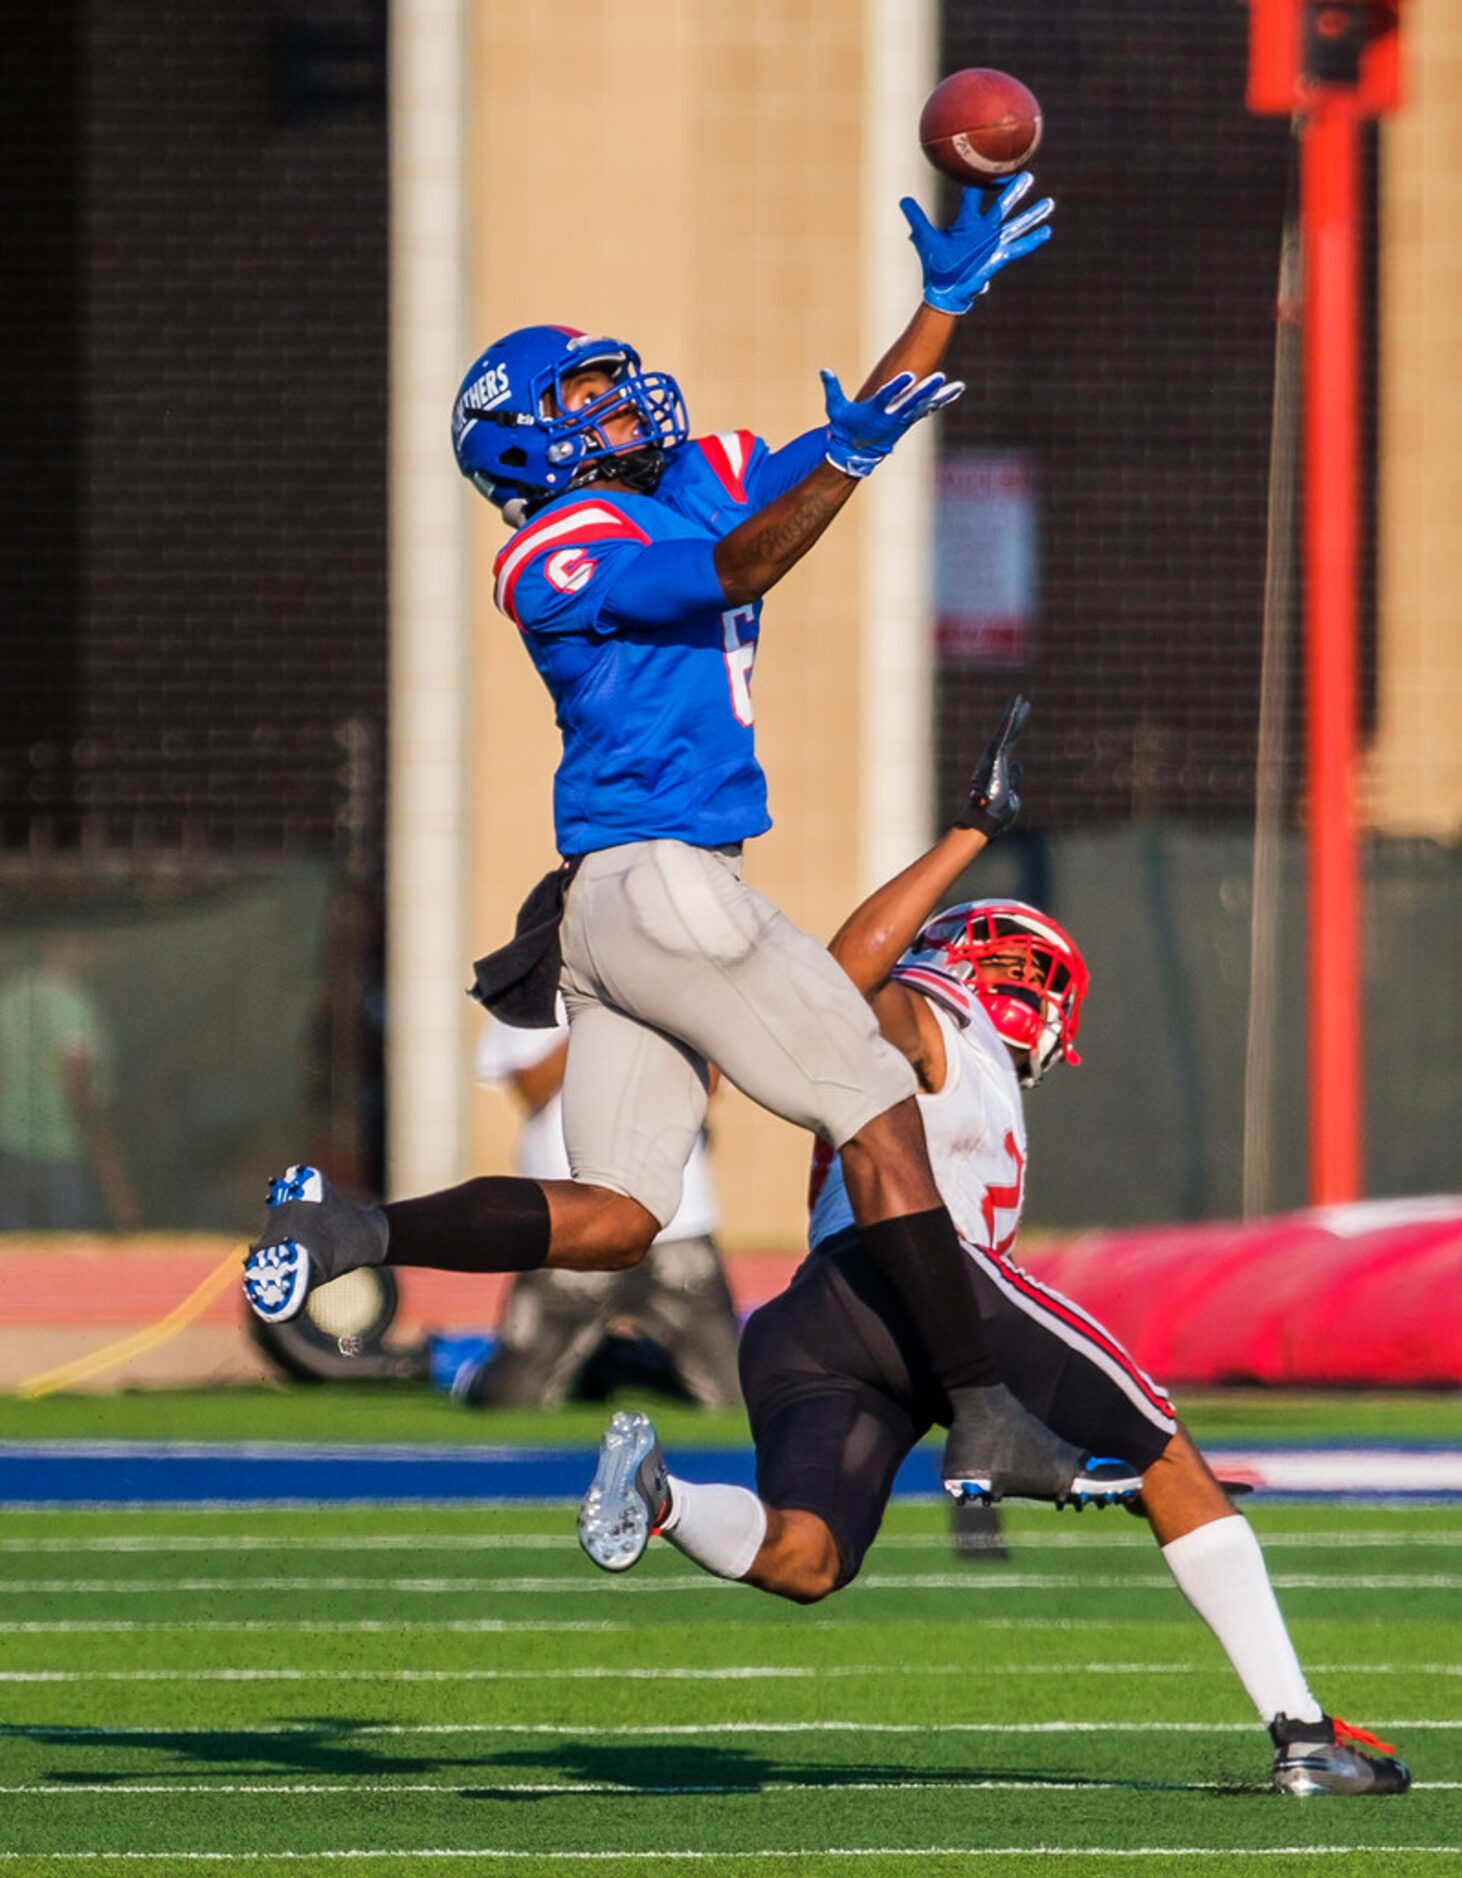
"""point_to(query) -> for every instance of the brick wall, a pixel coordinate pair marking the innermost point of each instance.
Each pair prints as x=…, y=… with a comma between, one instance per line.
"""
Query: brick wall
x=217, y=618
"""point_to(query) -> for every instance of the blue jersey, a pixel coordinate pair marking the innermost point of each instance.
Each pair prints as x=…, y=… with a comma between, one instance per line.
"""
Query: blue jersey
x=649, y=669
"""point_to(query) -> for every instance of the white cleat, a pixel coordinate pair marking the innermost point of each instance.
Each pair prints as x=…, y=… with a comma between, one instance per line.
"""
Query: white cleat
x=629, y=1496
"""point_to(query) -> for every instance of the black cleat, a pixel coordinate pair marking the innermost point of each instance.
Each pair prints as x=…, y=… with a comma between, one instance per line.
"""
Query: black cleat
x=997, y=1450
x=311, y=1236
x=1325, y=1757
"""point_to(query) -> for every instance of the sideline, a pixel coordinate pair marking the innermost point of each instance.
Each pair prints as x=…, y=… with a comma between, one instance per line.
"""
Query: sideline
x=46, y=1474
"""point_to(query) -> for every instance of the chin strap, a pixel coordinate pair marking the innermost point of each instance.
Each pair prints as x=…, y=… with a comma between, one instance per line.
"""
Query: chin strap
x=639, y=470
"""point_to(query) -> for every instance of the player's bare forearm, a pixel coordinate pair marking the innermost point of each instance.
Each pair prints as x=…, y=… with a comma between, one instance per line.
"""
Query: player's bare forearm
x=873, y=938
x=919, y=348
x=754, y=557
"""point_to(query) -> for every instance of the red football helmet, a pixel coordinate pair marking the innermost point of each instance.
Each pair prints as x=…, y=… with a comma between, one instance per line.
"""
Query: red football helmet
x=1038, y=1008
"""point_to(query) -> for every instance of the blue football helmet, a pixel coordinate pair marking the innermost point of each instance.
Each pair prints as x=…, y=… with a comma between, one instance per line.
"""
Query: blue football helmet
x=517, y=444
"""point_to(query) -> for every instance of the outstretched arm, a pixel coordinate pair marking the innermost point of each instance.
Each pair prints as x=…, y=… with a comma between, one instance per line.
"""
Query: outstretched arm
x=958, y=264
x=919, y=348
x=875, y=936
x=753, y=558
x=860, y=433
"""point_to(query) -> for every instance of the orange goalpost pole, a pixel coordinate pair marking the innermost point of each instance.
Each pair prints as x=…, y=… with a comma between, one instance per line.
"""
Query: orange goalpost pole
x=1330, y=230
x=1329, y=65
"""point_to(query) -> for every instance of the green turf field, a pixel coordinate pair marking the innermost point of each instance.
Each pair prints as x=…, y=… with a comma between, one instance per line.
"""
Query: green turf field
x=358, y=1413
x=431, y=1689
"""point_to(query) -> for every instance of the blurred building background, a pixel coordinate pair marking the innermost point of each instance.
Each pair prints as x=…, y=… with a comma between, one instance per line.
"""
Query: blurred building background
x=269, y=746
x=191, y=762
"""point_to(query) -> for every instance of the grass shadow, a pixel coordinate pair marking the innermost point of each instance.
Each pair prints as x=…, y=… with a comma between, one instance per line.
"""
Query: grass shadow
x=341, y=1748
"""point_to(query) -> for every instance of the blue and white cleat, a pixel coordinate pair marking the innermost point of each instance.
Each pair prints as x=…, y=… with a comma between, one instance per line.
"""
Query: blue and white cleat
x=1098, y=1481
x=277, y=1280
x=629, y=1496
x=1102, y=1481
x=311, y=1236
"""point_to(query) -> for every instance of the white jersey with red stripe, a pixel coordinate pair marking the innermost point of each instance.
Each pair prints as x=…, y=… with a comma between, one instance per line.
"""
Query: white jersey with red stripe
x=974, y=1125
x=975, y=1128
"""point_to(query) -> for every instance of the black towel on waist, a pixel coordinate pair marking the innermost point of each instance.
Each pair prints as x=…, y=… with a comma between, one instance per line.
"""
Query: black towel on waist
x=519, y=982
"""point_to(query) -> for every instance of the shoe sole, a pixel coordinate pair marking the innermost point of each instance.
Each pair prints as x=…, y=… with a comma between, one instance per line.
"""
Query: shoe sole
x=1306, y=1783
x=971, y=1492
x=614, y=1519
x=1308, y=1788
x=1083, y=1492
x=277, y=1281
x=1095, y=1490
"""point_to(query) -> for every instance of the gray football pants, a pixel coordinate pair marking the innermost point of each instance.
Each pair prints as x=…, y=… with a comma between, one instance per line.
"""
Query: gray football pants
x=671, y=962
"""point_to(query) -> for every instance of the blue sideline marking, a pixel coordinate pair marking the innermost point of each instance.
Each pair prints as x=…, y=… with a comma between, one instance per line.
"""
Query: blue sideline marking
x=124, y=1473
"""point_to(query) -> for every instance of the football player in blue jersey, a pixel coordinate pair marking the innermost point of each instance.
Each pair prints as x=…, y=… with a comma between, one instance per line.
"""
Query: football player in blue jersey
x=636, y=576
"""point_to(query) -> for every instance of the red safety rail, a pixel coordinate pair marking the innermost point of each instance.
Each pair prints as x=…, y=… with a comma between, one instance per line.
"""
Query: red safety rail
x=1339, y=1297
x=1356, y=1296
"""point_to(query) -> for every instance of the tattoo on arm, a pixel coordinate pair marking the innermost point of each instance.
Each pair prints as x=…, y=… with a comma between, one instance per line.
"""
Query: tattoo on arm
x=780, y=534
x=753, y=557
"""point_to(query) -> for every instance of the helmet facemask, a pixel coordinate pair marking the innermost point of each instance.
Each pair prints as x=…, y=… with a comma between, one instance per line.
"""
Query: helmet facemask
x=1026, y=972
x=653, y=398
x=520, y=443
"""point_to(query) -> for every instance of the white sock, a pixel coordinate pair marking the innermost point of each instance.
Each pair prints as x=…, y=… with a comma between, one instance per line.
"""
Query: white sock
x=720, y=1527
x=1221, y=1572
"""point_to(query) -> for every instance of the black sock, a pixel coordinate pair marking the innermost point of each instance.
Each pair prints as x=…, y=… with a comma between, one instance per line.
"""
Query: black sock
x=494, y=1224
x=921, y=1257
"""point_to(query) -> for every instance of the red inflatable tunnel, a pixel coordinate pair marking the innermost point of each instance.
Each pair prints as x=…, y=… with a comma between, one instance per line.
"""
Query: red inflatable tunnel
x=1338, y=1297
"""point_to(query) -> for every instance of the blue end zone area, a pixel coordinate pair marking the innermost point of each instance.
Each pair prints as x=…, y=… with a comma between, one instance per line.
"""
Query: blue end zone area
x=123, y=1473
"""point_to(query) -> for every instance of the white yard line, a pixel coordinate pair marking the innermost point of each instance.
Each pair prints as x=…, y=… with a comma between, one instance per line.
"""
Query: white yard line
x=768, y=1788
x=330, y=1542
x=1085, y=1540
x=474, y=1626
x=1137, y=1538
x=738, y=1672
x=801, y=1855
x=969, y=1578
x=978, y=1577
x=53, y=1731
x=329, y=1627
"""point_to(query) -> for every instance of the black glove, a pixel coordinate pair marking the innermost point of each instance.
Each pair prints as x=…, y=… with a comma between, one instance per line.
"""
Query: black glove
x=994, y=799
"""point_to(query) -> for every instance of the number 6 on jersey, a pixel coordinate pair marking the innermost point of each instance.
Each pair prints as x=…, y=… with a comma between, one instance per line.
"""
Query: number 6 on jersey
x=740, y=657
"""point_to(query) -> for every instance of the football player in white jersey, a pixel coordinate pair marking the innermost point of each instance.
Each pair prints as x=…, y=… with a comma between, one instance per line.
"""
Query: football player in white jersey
x=982, y=999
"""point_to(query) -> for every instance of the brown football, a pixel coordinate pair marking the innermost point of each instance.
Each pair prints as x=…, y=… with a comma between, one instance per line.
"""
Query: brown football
x=980, y=126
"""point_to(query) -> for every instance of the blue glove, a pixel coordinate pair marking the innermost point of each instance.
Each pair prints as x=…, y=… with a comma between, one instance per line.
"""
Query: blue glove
x=960, y=261
x=861, y=432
